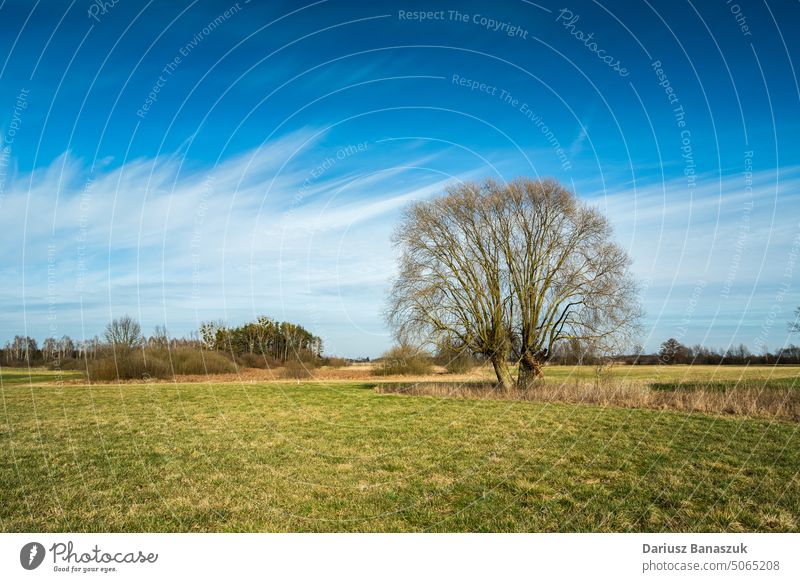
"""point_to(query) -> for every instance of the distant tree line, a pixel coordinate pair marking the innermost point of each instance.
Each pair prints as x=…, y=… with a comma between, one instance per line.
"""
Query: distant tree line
x=124, y=352
x=577, y=352
x=24, y=350
x=673, y=352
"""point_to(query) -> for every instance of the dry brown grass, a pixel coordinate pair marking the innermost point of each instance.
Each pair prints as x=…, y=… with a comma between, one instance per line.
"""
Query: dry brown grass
x=747, y=398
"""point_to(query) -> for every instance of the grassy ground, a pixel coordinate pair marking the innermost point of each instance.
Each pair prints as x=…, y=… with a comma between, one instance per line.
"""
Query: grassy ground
x=339, y=457
x=35, y=376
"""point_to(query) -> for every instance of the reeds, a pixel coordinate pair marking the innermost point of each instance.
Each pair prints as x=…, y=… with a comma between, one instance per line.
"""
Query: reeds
x=747, y=398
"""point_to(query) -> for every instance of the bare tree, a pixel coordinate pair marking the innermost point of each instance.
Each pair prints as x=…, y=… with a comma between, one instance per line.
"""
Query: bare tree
x=124, y=332
x=66, y=347
x=511, y=270
x=160, y=337
x=49, y=348
x=794, y=326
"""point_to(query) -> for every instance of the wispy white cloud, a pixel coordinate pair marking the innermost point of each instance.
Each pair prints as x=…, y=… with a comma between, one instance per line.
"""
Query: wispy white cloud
x=298, y=230
x=294, y=229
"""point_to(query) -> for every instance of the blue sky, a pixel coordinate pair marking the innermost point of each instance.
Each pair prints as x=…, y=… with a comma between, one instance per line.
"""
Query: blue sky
x=184, y=161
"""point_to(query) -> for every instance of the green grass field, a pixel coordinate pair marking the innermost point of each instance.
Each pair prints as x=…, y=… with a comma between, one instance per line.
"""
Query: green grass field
x=339, y=457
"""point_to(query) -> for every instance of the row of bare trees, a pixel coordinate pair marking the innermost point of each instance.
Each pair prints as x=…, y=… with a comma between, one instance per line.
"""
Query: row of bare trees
x=509, y=271
x=25, y=349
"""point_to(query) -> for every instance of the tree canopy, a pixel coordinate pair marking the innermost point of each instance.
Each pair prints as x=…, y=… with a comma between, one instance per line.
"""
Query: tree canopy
x=280, y=340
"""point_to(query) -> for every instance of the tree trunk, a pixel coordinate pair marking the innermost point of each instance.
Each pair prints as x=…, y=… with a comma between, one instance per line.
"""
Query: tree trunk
x=530, y=368
x=504, y=378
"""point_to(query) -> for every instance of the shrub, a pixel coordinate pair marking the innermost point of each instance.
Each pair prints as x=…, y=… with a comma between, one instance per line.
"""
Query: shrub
x=127, y=364
x=68, y=364
x=456, y=360
x=404, y=360
x=305, y=356
x=257, y=361
x=194, y=361
x=137, y=364
x=297, y=370
x=335, y=362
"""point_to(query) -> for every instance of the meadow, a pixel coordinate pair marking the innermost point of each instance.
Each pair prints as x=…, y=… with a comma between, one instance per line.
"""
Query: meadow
x=337, y=455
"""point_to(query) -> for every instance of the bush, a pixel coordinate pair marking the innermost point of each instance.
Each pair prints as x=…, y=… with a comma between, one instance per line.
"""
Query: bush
x=334, y=362
x=194, y=361
x=404, y=360
x=297, y=370
x=457, y=360
x=257, y=361
x=306, y=356
x=127, y=364
x=68, y=364
x=136, y=364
